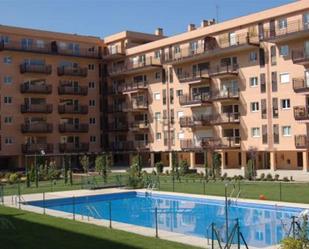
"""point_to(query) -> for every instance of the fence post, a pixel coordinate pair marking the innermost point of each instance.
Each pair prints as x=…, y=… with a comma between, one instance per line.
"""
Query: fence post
x=73, y=206
x=212, y=236
x=204, y=187
x=43, y=202
x=156, y=222
x=110, y=214
x=18, y=186
x=293, y=226
x=238, y=234
x=2, y=193
x=280, y=191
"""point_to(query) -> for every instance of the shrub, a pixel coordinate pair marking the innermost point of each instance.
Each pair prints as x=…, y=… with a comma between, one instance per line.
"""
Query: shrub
x=277, y=177
x=290, y=243
x=184, y=167
x=159, y=167
x=167, y=172
x=240, y=177
x=269, y=177
x=262, y=177
x=224, y=176
x=286, y=179
x=13, y=178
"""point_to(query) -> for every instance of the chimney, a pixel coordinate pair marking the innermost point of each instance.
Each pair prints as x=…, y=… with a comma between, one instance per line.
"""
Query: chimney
x=191, y=27
x=159, y=32
x=206, y=23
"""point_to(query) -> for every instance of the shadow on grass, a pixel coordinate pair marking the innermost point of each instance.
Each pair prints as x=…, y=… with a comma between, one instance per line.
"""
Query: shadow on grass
x=23, y=230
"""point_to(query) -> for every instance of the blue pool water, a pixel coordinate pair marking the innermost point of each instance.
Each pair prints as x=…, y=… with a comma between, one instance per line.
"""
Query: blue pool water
x=261, y=225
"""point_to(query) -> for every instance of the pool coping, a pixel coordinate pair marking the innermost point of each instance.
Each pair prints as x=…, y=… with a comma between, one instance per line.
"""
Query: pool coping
x=149, y=232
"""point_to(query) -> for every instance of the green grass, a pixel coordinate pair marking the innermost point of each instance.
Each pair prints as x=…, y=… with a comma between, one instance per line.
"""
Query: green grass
x=37, y=231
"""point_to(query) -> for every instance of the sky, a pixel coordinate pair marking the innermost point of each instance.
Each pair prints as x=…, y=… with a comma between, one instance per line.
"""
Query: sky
x=105, y=17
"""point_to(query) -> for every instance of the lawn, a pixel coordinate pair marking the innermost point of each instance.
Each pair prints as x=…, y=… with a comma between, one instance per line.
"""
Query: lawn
x=29, y=230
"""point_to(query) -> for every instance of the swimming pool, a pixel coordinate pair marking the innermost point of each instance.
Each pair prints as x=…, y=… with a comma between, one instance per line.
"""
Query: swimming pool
x=262, y=225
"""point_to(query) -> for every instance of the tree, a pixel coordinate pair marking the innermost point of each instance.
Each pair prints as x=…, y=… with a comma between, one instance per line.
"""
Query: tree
x=101, y=165
x=216, y=164
x=251, y=167
x=84, y=161
x=184, y=167
x=175, y=166
x=135, y=179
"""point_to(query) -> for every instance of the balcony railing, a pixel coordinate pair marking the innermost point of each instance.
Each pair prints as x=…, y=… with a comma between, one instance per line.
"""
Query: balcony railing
x=72, y=90
x=134, y=87
x=226, y=118
x=63, y=128
x=194, y=78
x=300, y=84
x=301, y=113
x=36, y=108
x=40, y=127
x=73, y=147
x=72, y=71
x=73, y=109
x=132, y=67
x=41, y=69
x=224, y=70
x=138, y=125
x=35, y=88
x=295, y=27
x=301, y=141
x=300, y=56
x=121, y=146
x=37, y=148
x=115, y=108
x=118, y=126
x=195, y=121
x=135, y=106
x=51, y=48
x=227, y=94
x=196, y=99
x=213, y=47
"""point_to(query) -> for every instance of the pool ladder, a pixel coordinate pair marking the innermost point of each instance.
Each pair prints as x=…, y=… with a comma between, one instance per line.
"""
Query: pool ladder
x=92, y=211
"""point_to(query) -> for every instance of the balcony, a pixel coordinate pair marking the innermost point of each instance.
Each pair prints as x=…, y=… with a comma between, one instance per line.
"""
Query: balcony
x=72, y=109
x=72, y=90
x=130, y=67
x=295, y=29
x=51, y=48
x=221, y=143
x=36, y=108
x=301, y=141
x=195, y=121
x=195, y=100
x=113, y=54
x=197, y=78
x=224, y=71
x=139, y=106
x=300, y=85
x=37, y=148
x=225, y=95
x=115, y=108
x=301, y=113
x=212, y=48
x=134, y=87
x=40, y=127
x=113, y=91
x=300, y=56
x=191, y=144
x=120, y=146
x=37, y=69
x=73, y=147
x=226, y=118
x=118, y=127
x=28, y=87
x=72, y=128
x=139, y=125
x=72, y=71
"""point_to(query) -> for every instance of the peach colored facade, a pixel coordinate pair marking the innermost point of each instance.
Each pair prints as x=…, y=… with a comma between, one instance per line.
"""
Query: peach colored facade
x=240, y=87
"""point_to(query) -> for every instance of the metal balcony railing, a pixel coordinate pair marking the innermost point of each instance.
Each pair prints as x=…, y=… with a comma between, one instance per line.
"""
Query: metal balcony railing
x=40, y=69
x=40, y=127
x=301, y=141
x=66, y=127
x=72, y=90
x=72, y=71
x=194, y=99
x=36, y=108
x=73, y=109
x=134, y=86
x=300, y=56
x=27, y=87
x=300, y=84
x=301, y=113
x=73, y=147
x=37, y=148
x=226, y=118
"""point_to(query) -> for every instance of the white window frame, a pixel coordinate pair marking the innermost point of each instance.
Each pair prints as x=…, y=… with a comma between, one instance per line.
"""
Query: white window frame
x=282, y=21
x=284, y=102
x=6, y=98
x=180, y=114
x=254, y=80
x=255, y=132
x=6, y=81
x=157, y=116
x=157, y=96
x=180, y=135
x=284, y=48
x=158, y=136
x=289, y=129
x=253, y=56
x=8, y=119
x=287, y=80
x=7, y=60
x=255, y=105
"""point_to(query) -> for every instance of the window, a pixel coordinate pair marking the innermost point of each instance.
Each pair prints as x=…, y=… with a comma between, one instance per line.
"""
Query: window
x=91, y=120
x=8, y=140
x=158, y=75
x=285, y=104
x=158, y=136
x=93, y=139
x=91, y=102
x=158, y=116
x=181, y=135
x=262, y=83
x=284, y=78
x=255, y=106
x=282, y=23
x=157, y=54
x=7, y=79
x=232, y=39
x=8, y=120
x=176, y=49
x=193, y=46
x=286, y=131
x=179, y=114
x=91, y=84
x=284, y=50
x=179, y=93
x=255, y=132
x=253, y=81
x=273, y=55
x=26, y=43
x=306, y=20
x=253, y=56
x=5, y=39
x=7, y=60
x=157, y=96
x=91, y=66
x=7, y=100
x=40, y=44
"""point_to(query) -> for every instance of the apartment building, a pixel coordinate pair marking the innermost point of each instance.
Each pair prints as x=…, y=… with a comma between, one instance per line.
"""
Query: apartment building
x=240, y=88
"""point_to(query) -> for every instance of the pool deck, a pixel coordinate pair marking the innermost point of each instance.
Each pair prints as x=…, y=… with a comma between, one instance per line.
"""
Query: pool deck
x=11, y=201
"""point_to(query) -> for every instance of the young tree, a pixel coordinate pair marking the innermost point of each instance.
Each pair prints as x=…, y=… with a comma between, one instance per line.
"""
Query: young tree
x=216, y=164
x=135, y=178
x=101, y=166
x=84, y=161
x=251, y=167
